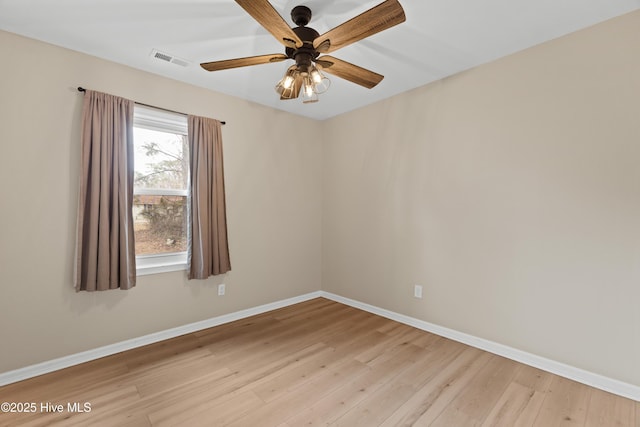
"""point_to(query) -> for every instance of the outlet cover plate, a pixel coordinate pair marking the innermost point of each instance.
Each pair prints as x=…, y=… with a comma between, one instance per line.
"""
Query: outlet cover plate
x=417, y=291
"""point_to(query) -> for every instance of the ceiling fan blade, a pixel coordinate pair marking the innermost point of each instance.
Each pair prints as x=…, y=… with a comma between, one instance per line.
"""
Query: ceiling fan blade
x=348, y=71
x=294, y=91
x=243, y=62
x=263, y=12
x=385, y=15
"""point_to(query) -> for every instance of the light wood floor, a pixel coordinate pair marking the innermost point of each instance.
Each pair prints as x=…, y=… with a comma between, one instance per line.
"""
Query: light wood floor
x=315, y=363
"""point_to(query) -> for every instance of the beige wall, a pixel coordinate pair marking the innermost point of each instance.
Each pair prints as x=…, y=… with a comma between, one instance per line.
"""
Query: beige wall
x=273, y=200
x=511, y=192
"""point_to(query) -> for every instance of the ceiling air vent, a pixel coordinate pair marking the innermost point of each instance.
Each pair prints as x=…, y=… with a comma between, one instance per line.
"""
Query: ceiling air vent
x=163, y=56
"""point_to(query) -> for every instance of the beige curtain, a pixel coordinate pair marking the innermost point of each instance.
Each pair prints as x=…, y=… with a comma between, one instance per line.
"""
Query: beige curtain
x=208, y=246
x=105, y=254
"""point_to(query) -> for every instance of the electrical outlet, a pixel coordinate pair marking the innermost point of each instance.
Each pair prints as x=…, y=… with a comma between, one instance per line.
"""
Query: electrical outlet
x=417, y=291
x=221, y=289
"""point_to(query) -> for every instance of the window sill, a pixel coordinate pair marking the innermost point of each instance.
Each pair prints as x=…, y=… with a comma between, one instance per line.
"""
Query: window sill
x=163, y=263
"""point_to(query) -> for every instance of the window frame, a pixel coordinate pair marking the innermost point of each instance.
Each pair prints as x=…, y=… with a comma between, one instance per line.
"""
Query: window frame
x=161, y=121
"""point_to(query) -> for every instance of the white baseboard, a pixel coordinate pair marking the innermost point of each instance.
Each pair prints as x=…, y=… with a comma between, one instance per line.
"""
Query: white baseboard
x=589, y=378
x=585, y=377
x=86, y=356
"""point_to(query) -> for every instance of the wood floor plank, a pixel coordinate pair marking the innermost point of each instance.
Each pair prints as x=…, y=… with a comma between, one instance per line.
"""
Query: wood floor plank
x=292, y=376
x=277, y=411
x=530, y=412
x=186, y=398
x=215, y=412
x=314, y=363
x=565, y=403
x=533, y=378
x=249, y=337
x=379, y=404
x=426, y=339
x=605, y=409
x=254, y=373
x=482, y=393
x=363, y=324
x=538, y=382
x=329, y=409
x=314, y=307
x=511, y=405
x=386, y=344
x=435, y=392
x=268, y=347
x=326, y=410
x=235, y=328
x=394, y=328
x=157, y=353
x=163, y=377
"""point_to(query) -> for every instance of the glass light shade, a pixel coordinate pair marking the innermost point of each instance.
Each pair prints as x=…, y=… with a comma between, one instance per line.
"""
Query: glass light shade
x=284, y=88
x=316, y=75
x=320, y=82
x=287, y=81
x=308, y=90
x=323, y=85
x=289, y=93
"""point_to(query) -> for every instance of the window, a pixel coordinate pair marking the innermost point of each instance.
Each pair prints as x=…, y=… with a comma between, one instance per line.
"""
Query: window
x=161, y=190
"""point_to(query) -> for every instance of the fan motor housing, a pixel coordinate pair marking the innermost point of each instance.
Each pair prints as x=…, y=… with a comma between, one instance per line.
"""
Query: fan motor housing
x=305, y=53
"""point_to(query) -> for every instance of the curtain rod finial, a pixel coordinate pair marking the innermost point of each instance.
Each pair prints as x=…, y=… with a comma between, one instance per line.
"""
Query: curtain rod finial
x=81, y=89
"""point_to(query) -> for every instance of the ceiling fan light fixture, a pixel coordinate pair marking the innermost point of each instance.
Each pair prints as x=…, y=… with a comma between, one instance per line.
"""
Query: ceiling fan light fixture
x=284, y=87
x=320, y=82
x=311, y=82
x=309, y=93
x=289, y=93
x=315, y=75
x=287, y=82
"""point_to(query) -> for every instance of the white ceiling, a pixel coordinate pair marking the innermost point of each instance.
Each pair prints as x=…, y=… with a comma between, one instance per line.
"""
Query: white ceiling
x=438, y=39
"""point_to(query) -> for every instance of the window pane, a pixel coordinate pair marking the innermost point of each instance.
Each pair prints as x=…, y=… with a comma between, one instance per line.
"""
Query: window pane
x=160, y=224
x=160, y=159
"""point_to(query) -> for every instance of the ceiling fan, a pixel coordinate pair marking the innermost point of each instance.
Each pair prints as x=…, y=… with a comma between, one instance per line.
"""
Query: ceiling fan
x=305, y=45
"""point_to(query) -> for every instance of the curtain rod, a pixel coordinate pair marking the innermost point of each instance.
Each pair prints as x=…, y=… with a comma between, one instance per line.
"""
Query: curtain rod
x=81, y=89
